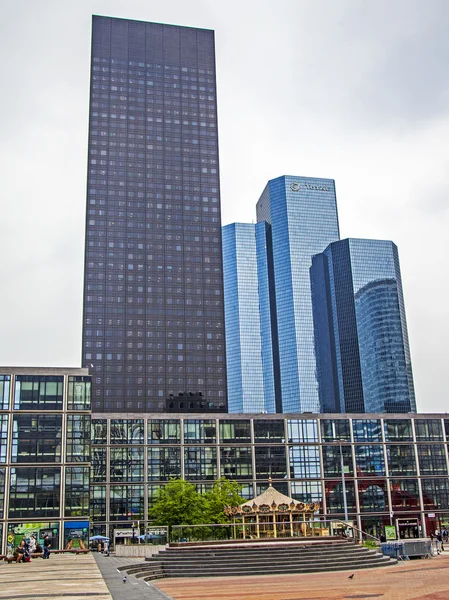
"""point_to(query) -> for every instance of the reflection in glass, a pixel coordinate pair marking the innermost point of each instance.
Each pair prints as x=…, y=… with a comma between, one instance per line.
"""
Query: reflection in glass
x=270, y=462
x=398, y=430
x=36, y=438
x=78, y=438
x=127, y=431
x=164, y=463
x=236, y=462
x=76, y=491
x=35, y=392
x=164, y=431
x=234, y=431
x=34, y=492
x=302, y=430
x=199, y=431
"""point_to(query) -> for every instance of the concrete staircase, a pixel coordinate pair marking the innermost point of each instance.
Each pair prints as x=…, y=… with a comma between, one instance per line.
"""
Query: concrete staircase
x=252, y=558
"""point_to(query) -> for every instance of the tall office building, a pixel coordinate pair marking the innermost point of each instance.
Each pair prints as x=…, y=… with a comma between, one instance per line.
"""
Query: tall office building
x=363, y=355
x=153, y=323
x=302, y=214
x=249, y=355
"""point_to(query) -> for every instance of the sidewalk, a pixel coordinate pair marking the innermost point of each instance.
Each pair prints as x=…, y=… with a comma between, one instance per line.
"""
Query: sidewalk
x=63, y=576
x=135, y=588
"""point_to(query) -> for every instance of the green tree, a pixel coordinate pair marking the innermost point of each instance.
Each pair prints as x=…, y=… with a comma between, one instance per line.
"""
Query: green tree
x=178, y=503
x=224, y=492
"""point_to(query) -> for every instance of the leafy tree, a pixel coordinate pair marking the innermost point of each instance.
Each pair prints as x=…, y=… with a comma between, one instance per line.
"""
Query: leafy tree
x=224, y=492
x=178, y=503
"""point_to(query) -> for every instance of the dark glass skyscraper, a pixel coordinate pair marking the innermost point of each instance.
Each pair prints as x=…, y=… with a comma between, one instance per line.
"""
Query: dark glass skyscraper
x=153, y=325
x=362, y=349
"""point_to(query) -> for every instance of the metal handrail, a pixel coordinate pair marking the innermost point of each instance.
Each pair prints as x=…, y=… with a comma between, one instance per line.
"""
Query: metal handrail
x=373, y=537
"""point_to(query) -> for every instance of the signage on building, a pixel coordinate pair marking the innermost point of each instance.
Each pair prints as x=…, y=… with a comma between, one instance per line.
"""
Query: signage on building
x=295, y=187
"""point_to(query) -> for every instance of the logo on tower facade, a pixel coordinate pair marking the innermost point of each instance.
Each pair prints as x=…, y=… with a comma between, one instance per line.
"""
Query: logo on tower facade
x=295, y=187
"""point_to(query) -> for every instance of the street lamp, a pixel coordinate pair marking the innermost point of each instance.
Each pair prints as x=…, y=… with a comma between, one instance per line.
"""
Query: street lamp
x=342, y=466
x=343, y=483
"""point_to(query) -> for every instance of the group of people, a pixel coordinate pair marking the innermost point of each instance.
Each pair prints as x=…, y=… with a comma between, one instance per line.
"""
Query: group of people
x=28, y=547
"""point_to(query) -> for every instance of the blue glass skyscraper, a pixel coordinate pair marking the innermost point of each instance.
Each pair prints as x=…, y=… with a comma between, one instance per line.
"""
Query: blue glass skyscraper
x=361, y=339
x=249, y=352
x=302, y=214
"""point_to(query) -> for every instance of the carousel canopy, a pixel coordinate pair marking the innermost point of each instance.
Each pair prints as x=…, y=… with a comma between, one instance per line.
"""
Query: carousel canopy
x=271, y=500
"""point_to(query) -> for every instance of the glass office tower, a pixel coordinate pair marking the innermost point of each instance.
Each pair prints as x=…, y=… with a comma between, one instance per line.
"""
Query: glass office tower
x=363, y=355
x=302, y=213
x=249, y=359
x=153, y=327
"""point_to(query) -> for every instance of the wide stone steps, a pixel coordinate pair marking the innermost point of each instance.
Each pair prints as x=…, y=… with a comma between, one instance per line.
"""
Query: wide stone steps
x=260, y=559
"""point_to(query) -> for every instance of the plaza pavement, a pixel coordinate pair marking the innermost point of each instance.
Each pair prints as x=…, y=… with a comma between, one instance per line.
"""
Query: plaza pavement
x=409, y=580
x=74, y=576
x=95, y=577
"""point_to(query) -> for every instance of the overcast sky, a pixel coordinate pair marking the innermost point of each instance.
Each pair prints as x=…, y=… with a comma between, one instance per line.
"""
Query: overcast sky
x=353, y=90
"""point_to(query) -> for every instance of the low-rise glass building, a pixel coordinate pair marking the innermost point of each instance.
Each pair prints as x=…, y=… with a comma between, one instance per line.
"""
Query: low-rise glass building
x=45, y=429
x=395, y=467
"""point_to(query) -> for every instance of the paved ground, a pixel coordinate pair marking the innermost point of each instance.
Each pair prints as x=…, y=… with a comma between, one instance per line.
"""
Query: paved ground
x=62, y=576
x=79, y=577
x=134, y=588
x=410, y=580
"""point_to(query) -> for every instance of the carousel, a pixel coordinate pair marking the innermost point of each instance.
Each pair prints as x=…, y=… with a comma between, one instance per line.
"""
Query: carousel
x=274, y=515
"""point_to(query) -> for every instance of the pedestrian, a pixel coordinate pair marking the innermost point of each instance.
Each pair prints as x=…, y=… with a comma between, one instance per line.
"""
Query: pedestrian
x=440, y=547
x=47, y=546
x=106, y=548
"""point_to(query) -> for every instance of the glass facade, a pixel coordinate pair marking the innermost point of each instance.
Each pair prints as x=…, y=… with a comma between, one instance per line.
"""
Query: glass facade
x=302, y=214
x=390, y=468
x=153, y=324
x=361, y=339
x=244, y=358
x=45, y=427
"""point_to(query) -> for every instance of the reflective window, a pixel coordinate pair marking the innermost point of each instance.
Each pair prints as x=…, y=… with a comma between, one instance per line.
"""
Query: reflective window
x=164, y=431
x=34, y=392
x=307, y=491
x=99, y=431
x=36, y=438
x=99, y=464
x=432, y=459
x=200, y=463
x=302, y=430
x=78, y=393
x=200, y=431
x=401, y=459
x=338, y=429
x=404, y=494
x=367, y=430
x=235, y=432
x=427, y=430
x=98, y=502
x=3, y=437
x=271, y=462
x=34, y=492
x=2, y=492
x=332, y=460
x=126, y=464
x=76, y=491
x=398, y=430
x=304, y=462
x=268, y=431
x=127, y=431
x=236, y=462
x=78, y=438
x=334, y=497
x=373, y=496
x=369, y=460
x=126, y=500
x=5, y=384
x=164, y=463
x=435, y=493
